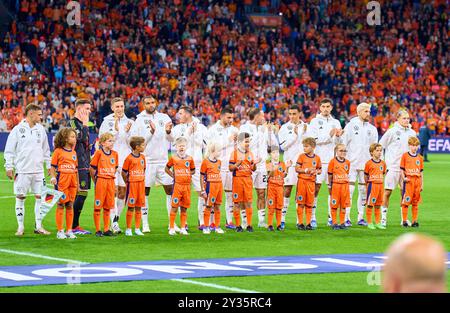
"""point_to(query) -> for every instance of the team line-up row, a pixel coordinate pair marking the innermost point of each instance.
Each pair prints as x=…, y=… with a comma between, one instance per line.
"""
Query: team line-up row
x=133, y=156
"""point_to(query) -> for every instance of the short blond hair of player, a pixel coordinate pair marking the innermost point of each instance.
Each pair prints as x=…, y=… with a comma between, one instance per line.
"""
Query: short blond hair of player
x=374, y=171
x=411, y=166
x=212, y=187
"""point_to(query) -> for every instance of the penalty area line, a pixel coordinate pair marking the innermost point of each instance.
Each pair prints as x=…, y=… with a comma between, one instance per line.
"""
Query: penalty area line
x=41, y=256
x=188, y=281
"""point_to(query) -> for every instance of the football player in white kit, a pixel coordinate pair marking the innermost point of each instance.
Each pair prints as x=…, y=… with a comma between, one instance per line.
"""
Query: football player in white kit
x=119, y=125
x=327, y=131
x=225, y=134
x=156, y=128
x=195, y=133
x=395, y=144
x=358, y=135
x=26, y=151
x=262, y=135
x=291, y=135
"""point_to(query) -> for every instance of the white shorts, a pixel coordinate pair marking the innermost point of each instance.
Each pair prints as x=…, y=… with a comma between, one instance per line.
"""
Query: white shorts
x=354, y=173
x=227, y=180
x=323, y=177
x=156, y=173
x=292, y=177
x=392, y=180
x=119, y=179
x=24, y=183
x=260, y=179
x=196, y=180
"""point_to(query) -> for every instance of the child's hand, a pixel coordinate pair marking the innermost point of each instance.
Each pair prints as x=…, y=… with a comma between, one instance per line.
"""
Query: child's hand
x=204, y=195
x=289, y=163
x=53, y=180
x=270, y=167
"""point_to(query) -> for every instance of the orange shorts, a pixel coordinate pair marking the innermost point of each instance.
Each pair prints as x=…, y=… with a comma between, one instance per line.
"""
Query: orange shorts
x=136, y=194
x=242, y=189
x=340, y=196
x=411, y=191
x=375, y=193
x=68, y=184
x=181, y=196
x=275, y=198
x=104, y=193
x=214, y=191
x=305, y=192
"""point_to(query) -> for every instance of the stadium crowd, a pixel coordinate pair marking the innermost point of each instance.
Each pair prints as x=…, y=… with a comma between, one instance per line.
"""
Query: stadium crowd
x=206, y=54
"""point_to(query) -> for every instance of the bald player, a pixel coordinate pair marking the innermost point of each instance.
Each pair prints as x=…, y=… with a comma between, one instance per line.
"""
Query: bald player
x=415, y=263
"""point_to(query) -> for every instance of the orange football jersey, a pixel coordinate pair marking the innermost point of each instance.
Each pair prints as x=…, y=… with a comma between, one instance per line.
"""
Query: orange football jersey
x=182, y=168
x=245, y=169
x=212, y=170
x=339, y=170
x=375, y=171
x=279, y=172
x=134, y=166
x=411, y=164
x=65, y=161
x=105, y=164
x=305, y=161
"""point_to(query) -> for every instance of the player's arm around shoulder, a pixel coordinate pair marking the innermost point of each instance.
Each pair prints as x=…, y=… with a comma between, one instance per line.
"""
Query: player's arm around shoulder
x=168, y=168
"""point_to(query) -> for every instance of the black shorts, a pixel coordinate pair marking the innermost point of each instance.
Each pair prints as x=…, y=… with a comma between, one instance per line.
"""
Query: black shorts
x=84, y=180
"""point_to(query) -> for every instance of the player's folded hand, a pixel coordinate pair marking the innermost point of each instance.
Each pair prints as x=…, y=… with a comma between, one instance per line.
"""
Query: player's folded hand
x=53, y=180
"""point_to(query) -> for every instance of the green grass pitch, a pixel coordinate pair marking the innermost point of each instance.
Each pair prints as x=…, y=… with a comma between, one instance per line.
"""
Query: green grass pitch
x=158, y=245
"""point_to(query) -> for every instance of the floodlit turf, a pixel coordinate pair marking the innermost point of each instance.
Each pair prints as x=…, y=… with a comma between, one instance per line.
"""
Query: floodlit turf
x=433, y=217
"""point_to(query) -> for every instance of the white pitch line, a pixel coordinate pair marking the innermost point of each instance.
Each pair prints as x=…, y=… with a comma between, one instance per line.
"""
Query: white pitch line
x=5, y=197
x=188, y=281
x=34, y=255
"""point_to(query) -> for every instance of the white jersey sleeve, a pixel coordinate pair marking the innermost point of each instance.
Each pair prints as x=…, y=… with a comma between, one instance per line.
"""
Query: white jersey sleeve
x=10, y=150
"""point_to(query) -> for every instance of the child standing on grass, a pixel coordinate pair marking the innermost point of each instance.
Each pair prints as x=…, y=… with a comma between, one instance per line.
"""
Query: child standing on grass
x=133, y=173
x=212, y=188
x=180, y=167
x=308, y=166
x=374, y=172
x=411, y=166
x=103, y=170
x=64, y=176
x=276, y=171
x=338, y=170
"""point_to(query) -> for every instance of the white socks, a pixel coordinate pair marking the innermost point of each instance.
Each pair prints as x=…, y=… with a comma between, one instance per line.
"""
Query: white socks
x=261, y=216
x=285, y=209
x=168, y=204
x=313, y=215
x=144, y=211
x=20, y=212
x=229, y=206
x=361, y=201
x=384, y=215
x=243, y=218
x=201, y=209
x=119, y=206
x=38, y=217
x=347, y=211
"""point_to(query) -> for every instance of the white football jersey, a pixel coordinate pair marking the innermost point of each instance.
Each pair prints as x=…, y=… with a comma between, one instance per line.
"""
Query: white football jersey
x=196, y=141
x=290, y=142
x=221, y=134
x=27, y=149
x=395, y=144
x=357, y=137
x=319, y=128
x=121, y=136
x=260, y=139
x=157, y=144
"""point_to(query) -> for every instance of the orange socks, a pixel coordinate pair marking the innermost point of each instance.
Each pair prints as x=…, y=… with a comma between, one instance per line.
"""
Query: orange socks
x=333, y=215
x=69, y=219
x=172, y=217
x=97, y=220
x=207, y=216
x=300, y=214
x=217, y=218
x=369, y=214
x=59, y=219
x=183, y=216
x=237, y=217
x=129, y=218
x=106, y=220
x=249, y=216
x=415, y=213
x=278, y=216
x=342, y=215
x=270, y=218
x=137, y=218
x=308, y=215
x=404, y=212
x=377, y=216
